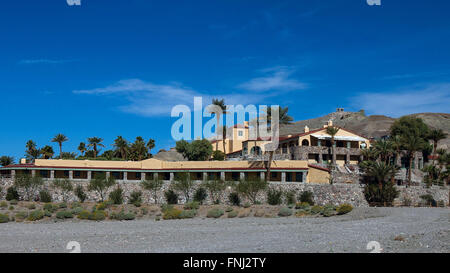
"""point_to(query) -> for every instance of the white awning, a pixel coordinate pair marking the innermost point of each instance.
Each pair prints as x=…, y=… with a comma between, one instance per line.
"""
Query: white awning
x=344, y=138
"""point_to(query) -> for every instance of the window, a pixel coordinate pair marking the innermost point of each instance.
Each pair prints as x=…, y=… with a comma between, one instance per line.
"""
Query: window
x=77, y=174
x=240, y=133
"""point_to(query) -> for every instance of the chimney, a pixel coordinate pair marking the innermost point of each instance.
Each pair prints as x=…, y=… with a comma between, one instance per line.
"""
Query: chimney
x=23, y=161
x=330, y=123
x=245, y=123
x=306, y=129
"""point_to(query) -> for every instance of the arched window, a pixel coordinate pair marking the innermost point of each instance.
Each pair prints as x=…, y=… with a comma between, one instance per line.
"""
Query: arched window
x=305, y=142
x=255, y=150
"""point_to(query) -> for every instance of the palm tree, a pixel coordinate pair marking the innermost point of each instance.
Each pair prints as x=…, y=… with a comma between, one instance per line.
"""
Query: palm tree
x=436, y=135
x=6, y=160
x=412, y=143
x=139, y=149
x=384, y=149
x=283, y=118
x=223, y=107
x=380, y=171
x=47, y=152
x=150, y=146
x=82, y=148
x=122, y=147
x=95, y=142
x=60, y=138
x=32, y=152
x=332, y=131
x=397, y=146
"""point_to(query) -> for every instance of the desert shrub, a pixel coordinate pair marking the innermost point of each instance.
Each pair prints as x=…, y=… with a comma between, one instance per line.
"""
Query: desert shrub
x=344, y=208
x=77, y=210
x=31, y=206
x=284, y=212
x=62, y=205
x=65, y=186
x=35, y=215
x=234, y=199
x=153, y=186
x=171, y=197
x=75, y=205
x=29, y=184
x=247, y=205
x=232, y=214
x=136, y=198
x=3, y=204
x=328, y=212
x=251, y=187
x=188, y=214
x=170, y=214
x=307, y=197
x=192, y=205
x=407, y=202
x=302, y=213
x=98, y=215
x=200, y=195
x=228, y=209
x=441, y=203
x=21, y=215
x=11, y=208
x=79, y=192
x=14, y=202
x=290, y=197
x=103, y=205
x=429, y=200
x=316, y=209
x=165, y=207
x=274, y=196
x=50, y=207
x=100, y=184
x=48, y=213
x=4, y=218
x=84, y=214
x=123, y=216
x=215, y=189
x=44, y=196
x=302, y=205
x=144, y=211
x=64, y=214
x=12, y=194
x=376, y=196
x=116, y=196
x=215, y=213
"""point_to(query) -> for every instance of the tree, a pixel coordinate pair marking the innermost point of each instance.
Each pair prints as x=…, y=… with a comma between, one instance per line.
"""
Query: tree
x=150, y=146
x=379, y=171
x=332, y=131
x=68, y=155
x=218, y=155
x=82, y=148
x=215, y=189
x=153, y=185
x=60, y=139
x=184, y=184
x=412, y=143
x=436, y=135
x=47, y=152
x=65, y=186
x=101, y=184
x=95, y=142
x=379, y=189
x=223, y=107
x=139, y=150
x=122, y=147
x=284, y=119
x=6, y=160
x=197, y=150
x=29, y=184
x=31, y=152
x=384, y=149
x=251, y=187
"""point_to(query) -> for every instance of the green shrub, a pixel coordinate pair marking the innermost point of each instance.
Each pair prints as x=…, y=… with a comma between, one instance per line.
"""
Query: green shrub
x=344, y=208
x=234, y=199
x=62, y=205
x=441, y=203
x=171, y=197
x=44, y=196
x=12, y=194
x=307, y=197
x=3, y=204
x=228, y=209
x=284, y=212
x=98, y=215
x=215, y=213
x=31, y=206
x=302, y=213
x=48, y=213
x=36, y=215
x=84, y=214
x=123, y=216
x=50, y=207
x=13, y=202
x=64, y=214
x=135, y=198
x=316, y=209
x=302, y=205
x=290, y=197
x=79, y=192
x=144, y=211
x=385, y=197
x=77, y=210
x=232, y=214
x=102, y=205
x=247, y=205
x=274, y=196
x=21, y=215
x=327, y=212
x=116, y=196
x=251, y=187
x=200, y=195
x=429, y=200
x=192, y=205
x=172, y=213
x=165, y=207
x=75, y=205
x=188, y=213
x=11, y=208
x=4, y=218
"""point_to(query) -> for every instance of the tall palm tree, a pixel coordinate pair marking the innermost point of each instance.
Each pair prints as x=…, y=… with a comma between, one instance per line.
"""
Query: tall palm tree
x=122, y=147
x=60, y=139
x=412, y=143
x=150, y=146
x=436, y=135
x=397, y=146
x=332, y=131
x=283, y=118
x=82, y=148
x=384, y=149
x=95, y=142
x=380, y=171
x=47, y=152
x=139, y=149
x=31, y=151
x=223, y=107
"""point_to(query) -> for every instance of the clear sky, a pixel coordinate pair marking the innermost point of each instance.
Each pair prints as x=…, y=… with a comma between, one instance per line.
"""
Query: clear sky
x=110, y=67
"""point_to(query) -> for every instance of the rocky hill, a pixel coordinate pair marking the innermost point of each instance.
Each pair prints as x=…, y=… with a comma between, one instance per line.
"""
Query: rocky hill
x=374, y=126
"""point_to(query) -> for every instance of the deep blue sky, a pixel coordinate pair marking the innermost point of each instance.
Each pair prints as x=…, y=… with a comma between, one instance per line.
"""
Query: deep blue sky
x=109, y=68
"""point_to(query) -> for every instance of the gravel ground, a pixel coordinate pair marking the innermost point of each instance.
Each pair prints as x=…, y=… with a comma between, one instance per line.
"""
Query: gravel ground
x=421, y=229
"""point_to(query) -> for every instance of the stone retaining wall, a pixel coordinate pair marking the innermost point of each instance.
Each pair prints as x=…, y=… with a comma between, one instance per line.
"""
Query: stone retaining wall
x=323, y=193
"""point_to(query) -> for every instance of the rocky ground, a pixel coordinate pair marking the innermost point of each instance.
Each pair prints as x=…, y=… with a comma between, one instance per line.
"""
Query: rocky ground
x=396, y=229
